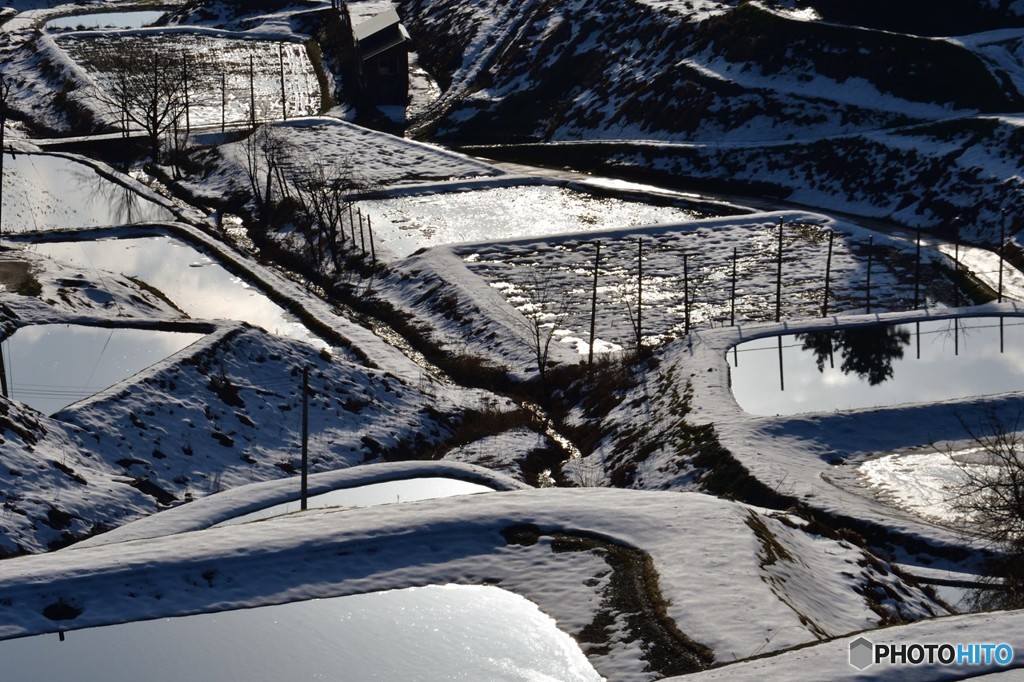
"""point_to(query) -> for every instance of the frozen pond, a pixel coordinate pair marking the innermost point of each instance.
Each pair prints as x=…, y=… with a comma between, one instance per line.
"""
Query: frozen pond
x=44, y=192
x=197, y=284
x=104, y=20
x=427, y=633
x=406, y=224
x=879, y=365
x=51, y=366
x=371, y=495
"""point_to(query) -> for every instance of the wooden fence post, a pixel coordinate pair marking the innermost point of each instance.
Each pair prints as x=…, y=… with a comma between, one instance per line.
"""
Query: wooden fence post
x=593, y=304
x=778, y=280
x=828, y=273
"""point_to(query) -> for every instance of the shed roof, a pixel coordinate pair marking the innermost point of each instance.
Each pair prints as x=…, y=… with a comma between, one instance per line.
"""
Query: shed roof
x=375, y=24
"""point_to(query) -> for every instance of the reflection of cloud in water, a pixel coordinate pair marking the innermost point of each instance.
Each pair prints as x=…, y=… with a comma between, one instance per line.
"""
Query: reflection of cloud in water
x=195, y=283
x=44, y=192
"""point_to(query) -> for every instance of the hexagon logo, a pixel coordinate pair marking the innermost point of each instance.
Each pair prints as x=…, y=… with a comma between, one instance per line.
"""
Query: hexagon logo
x=862, y=653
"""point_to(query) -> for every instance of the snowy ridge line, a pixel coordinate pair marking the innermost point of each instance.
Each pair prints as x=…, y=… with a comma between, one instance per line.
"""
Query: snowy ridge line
x=190, y=325
x=452, y=186
x=385, y=139
x=325, y=553
x=671, y=144
x=752, y=220
x=738, y=334
x=212, y=509
x=272, y=36
x=49, y=50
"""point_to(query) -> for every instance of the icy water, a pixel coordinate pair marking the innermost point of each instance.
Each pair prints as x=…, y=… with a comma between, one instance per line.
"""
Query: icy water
x=45, y=192
x=196, y=283
x=406, y=224
x=51, y=366
x=371, y=495
x=445, y=632
x=879, y=365
x=104, y=20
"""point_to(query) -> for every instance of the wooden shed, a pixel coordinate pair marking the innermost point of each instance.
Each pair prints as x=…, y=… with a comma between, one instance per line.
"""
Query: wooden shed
x=382, y=56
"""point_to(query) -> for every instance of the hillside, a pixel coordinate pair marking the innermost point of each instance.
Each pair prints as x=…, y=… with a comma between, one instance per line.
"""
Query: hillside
x=744, y=98
x=528, y=378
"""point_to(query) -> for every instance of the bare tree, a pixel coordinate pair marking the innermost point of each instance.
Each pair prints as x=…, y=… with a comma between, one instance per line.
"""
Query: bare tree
x=265, y=154
x=324, y=191
x=991, y=500
x=548, y=308
x=142, y=90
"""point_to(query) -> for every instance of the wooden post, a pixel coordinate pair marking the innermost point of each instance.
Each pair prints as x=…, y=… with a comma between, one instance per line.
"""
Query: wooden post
x=1002, y=241
x=732, y=295
x=828, y=273
x=3, y=373
x=223, y=101
x=5, y=91
x=184, y=80
x=871, y=254
x=362, y=235
x=686, y=294
x=373, y=248
x=956, y=267
x=639, y=292
x=305, y=438
x=778, y=282
x=252, y=93
x=593, y=304
x=284, y=96
x=782, y=371
x=917, y=271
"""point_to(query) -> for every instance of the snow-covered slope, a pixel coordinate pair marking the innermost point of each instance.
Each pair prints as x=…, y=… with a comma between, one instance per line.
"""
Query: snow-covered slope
x=734, y=581
x=743, y=97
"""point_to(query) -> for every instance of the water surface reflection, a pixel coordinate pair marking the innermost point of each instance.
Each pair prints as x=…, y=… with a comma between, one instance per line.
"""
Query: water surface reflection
x=45, y=192
x=427, y=633
x=95, y=20
x=196, y=283
x=50, y=366
x=879, y=365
